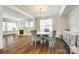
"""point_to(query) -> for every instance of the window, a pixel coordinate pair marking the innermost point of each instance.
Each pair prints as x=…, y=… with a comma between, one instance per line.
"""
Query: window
x=29, y=24
x=4, y=23
x=46, y=24
x=9, y=26
x=14, y=26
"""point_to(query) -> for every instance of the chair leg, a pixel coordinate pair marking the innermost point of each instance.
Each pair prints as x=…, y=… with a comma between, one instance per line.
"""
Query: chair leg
x=35, y=44
x=50, y=44
x=45, y=41
x=53, y=44
x=32, y=43
x=41, y=42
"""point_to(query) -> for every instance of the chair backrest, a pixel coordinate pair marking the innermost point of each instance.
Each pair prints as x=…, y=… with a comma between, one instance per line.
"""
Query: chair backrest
x=33, y=35
x=54, y=34
x=33, y=32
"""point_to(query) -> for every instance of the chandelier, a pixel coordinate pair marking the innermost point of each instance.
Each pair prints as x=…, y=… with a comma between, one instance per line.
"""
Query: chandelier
x=40, y=13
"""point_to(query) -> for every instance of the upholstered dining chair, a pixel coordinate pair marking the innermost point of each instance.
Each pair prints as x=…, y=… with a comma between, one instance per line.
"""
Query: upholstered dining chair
x=52, y=39
x=34, y=37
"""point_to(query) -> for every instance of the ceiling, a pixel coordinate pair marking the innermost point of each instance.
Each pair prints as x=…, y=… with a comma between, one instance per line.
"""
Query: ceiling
x=19, y=12
x=46, y=10
x=68, y=9
x=8, y=13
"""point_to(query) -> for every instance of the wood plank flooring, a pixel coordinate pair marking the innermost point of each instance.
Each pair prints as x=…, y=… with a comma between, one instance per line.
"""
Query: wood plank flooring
x=14, y=44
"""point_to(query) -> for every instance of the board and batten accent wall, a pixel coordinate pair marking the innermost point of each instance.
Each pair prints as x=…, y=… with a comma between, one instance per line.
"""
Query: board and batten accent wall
x=1, y=31
x=60, y=23
x=73, y=18
x=37, y=24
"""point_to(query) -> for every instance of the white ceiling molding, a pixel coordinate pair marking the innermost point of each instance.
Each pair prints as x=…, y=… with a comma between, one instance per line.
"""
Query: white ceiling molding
x=25, y=9
x=62, y=9
x=12, y=15
x=47, y=10
x=9, y=18
x=13, y=7
x=67, y=9
x=28, y=11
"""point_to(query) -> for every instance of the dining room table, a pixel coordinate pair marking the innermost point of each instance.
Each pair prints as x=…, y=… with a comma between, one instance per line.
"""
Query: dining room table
x=44, y=35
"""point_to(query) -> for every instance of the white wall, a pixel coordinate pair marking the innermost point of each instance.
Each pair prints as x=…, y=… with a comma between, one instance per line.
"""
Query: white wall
x=73, y=18
x=1, y=33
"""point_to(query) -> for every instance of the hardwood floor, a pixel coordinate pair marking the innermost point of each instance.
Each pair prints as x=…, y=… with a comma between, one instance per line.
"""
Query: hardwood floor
x=14, y=44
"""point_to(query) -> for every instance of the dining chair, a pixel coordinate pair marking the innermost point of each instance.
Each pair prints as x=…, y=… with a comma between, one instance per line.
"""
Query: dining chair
x=52, y=39
x=45, y=38
x=34, y=37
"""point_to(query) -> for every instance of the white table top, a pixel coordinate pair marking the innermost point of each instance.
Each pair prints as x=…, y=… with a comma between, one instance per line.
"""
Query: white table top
x=43, y=33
